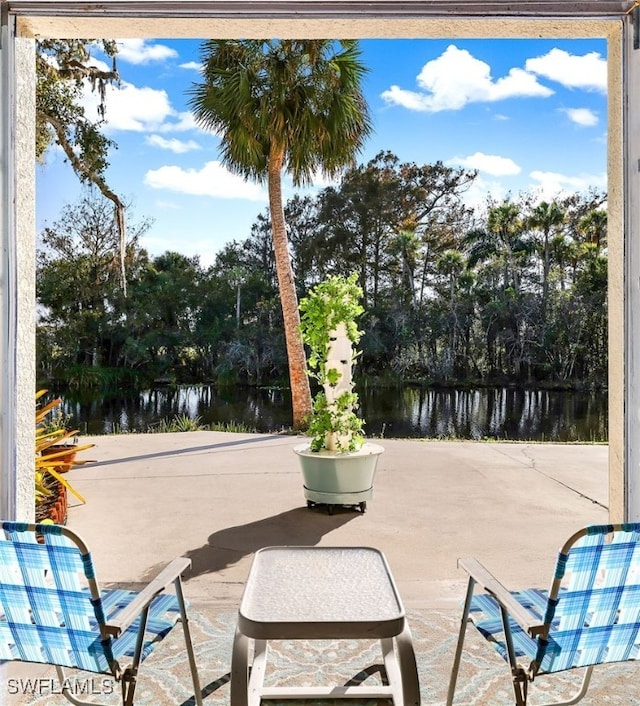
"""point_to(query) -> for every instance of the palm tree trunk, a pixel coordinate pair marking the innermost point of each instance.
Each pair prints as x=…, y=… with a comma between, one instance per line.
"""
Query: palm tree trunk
x=300, y=390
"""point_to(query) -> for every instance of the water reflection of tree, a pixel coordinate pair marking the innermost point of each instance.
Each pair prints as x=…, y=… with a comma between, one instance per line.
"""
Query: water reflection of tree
x=495, y=413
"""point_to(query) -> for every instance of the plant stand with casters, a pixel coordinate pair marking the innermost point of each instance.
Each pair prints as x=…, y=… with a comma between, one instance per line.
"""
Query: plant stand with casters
x=331, y=478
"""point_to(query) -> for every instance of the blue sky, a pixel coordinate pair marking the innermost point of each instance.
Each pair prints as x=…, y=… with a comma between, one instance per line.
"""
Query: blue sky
x=528, y=114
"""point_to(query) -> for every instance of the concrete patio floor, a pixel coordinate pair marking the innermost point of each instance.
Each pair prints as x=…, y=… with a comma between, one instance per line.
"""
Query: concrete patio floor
x=219, y=497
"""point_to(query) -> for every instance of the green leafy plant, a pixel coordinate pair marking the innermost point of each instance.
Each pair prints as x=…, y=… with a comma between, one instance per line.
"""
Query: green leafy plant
x=330, y=330
x=179, y=423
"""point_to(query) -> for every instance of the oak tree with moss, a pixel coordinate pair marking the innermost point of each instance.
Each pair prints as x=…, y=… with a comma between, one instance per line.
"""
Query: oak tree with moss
x=63, y=66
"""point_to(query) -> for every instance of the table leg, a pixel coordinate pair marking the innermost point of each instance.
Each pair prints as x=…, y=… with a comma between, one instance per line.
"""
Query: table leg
x=258, y=670
x=408, y=667
x=239, y=669
x=392, y=669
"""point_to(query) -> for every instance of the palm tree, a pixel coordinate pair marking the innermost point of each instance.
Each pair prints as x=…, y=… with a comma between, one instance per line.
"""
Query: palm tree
x=450, y=265
x=406, y=246
x=504, y=222
x=593, y=227
x=546, y=217
x=292, y=106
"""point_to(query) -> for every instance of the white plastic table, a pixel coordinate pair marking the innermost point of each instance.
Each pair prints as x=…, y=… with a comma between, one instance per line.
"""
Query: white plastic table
x=321, y=593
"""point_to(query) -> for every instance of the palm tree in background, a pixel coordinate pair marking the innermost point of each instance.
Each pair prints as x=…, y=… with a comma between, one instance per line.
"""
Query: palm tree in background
x=292, y=106
x=593, y=227
x=546, y=218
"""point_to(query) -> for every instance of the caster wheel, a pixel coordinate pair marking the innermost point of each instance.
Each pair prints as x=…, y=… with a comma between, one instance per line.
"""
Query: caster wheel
x=363, y=506
x=330, y=509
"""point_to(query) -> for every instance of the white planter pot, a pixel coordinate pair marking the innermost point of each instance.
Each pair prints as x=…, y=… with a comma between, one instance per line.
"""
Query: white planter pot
x=336, y=478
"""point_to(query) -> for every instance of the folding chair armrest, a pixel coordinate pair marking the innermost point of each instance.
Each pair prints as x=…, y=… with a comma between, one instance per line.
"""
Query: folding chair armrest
x=168, y=575
x=525, y=618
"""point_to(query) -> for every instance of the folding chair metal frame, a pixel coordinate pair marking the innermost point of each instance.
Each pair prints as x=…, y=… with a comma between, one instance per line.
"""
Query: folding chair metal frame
x=49, y=611
x=554, y=641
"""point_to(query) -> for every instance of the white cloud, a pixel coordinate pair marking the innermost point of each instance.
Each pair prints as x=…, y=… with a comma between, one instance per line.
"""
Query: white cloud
x=168, y=205
x=140, y=51
x=138, y=109
x=183, y=121
x=131, y=108
x=543, y=186
x=203, y=248
x=456, y=78
x=192, y=65
x=489, y=163
x=582, y=116
x=588, y=72
x=552, y=184
x=481, y=189
x=211, y=180
x=173, y=145
x=97, y=63
x=406, y=99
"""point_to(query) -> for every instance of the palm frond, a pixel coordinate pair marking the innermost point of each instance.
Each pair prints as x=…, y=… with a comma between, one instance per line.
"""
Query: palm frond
x=299, y=97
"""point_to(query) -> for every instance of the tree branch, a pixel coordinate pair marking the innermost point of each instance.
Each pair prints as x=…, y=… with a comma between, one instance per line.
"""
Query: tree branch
x=84, y=171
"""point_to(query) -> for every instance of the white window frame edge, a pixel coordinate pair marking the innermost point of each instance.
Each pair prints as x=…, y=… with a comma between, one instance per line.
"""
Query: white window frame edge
x=8, y=421
x=631, y=261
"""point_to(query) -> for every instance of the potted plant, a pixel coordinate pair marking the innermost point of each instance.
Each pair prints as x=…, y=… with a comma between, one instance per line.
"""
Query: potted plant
x=338, y=467
x=52, y=459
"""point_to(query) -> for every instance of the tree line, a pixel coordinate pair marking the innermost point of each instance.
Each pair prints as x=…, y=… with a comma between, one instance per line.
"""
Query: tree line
x=513, y=292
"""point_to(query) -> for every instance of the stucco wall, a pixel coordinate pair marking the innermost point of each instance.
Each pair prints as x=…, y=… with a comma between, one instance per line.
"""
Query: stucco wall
x=24, y=269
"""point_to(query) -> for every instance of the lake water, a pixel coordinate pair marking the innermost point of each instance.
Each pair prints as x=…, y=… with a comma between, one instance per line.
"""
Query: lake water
x=493, y=413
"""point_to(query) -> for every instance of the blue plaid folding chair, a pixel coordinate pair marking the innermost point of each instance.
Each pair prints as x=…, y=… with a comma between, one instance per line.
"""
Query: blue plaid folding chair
x=590, y=615
x=52, y=610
